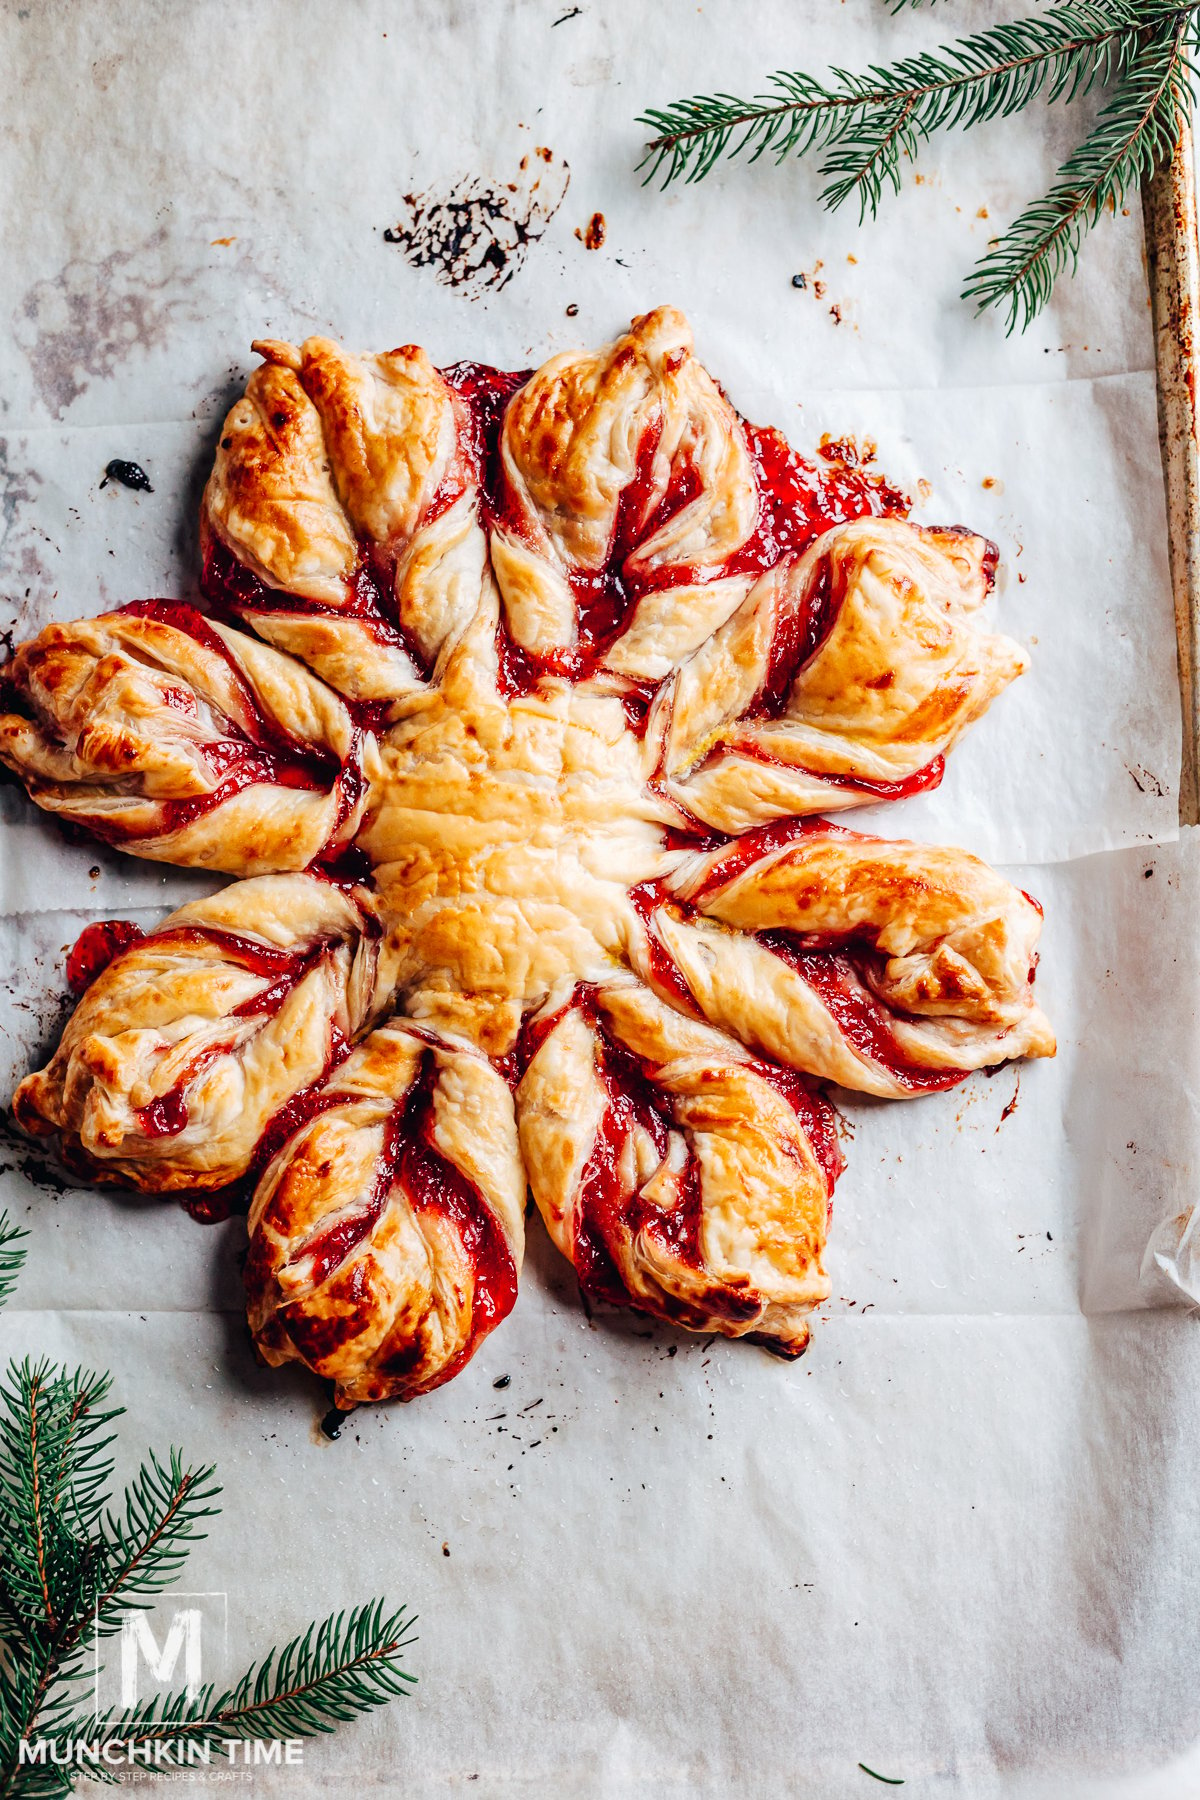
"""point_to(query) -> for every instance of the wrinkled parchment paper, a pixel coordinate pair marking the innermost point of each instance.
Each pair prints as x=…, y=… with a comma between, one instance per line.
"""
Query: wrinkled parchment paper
x=956, y=1542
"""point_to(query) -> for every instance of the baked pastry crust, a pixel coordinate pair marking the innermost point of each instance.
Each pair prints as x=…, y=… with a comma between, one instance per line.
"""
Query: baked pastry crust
x=191, y=1041
x=569, y=661
x=386, y=1234
x=185, y=741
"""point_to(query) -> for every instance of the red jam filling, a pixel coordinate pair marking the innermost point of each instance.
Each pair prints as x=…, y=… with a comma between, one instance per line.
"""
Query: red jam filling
x=282, y=971
x=663, y=970
x=743, y=852
x=828, y=962
x=921, y=781
x=258, y=749
x=837, y=981
x=798, y=500
x=609, y=1213
x=431, y=1183
x=233, y=590
x=96, y=946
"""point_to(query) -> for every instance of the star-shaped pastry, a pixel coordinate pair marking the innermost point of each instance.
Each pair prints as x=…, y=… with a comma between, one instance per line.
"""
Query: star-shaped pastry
x=515, y=702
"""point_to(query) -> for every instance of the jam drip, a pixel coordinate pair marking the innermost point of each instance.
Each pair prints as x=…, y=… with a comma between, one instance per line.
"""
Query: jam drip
x=96, y=946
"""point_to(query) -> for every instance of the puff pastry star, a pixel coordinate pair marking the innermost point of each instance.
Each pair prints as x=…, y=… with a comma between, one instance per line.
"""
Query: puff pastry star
x=516, y=702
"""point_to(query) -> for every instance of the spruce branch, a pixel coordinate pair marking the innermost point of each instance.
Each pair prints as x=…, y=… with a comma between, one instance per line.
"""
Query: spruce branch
x=12, y=1255
x=52, y=1466
x=72, y=1566
x=146, y=1544
x=348, y=1664
x=1133, y=134
x=864, y=124
x=990, y=73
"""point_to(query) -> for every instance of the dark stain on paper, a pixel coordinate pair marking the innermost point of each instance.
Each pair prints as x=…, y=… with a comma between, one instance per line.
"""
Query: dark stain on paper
x=127, y=474
x=24, y=563
x=476, y=235
x=81, y=324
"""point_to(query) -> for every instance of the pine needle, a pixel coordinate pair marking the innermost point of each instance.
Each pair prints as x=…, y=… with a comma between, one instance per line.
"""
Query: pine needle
x=865, y=125
x=349, y=1663
x=12, y=1255
x=1133, y=134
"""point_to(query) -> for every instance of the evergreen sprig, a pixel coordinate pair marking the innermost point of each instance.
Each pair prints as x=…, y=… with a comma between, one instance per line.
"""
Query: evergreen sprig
x=337, y=1669
x=866, y=124
x=72, y=1565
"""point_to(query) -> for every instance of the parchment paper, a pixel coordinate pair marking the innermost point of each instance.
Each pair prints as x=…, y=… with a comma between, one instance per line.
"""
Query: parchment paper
x=957, y=1541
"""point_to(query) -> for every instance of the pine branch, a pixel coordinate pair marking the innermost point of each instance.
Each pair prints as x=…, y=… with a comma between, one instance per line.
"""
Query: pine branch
x=52, y=1465
x=348, y=1664
x=12, y=1255
x=145, y=1546
x=986, y=75
x=72, y=1565
x=1133, y=134
x=864, y=124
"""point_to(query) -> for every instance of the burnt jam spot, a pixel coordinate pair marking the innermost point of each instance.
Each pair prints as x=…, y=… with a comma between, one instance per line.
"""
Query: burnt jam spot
x=594, y=233
x=127, y=474
x=476, y=235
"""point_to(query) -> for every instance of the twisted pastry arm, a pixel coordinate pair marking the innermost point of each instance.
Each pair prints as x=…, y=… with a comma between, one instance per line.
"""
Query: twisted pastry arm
x=190, y=1041
x=183, y=741
x=893, y=968
x=386, y=1235
x=593, y=449
x=844, y=677
x=677, y=1174
x=339, y=518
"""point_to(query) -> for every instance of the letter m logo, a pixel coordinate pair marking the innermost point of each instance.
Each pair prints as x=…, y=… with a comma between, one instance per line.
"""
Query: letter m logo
x=139, y=1643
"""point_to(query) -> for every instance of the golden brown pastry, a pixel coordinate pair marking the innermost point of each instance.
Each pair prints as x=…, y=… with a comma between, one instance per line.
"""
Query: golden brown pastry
x=386, y=1235
x=338, y=519
x=187, y=1045
x=568, y=634
x=178, y=739
x=677, y=1174
x=591, y=450
x=844, y=677
x=893, y=968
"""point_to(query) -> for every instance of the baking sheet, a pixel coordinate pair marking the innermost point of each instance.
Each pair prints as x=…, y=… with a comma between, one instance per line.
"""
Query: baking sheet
x=955, y=1541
